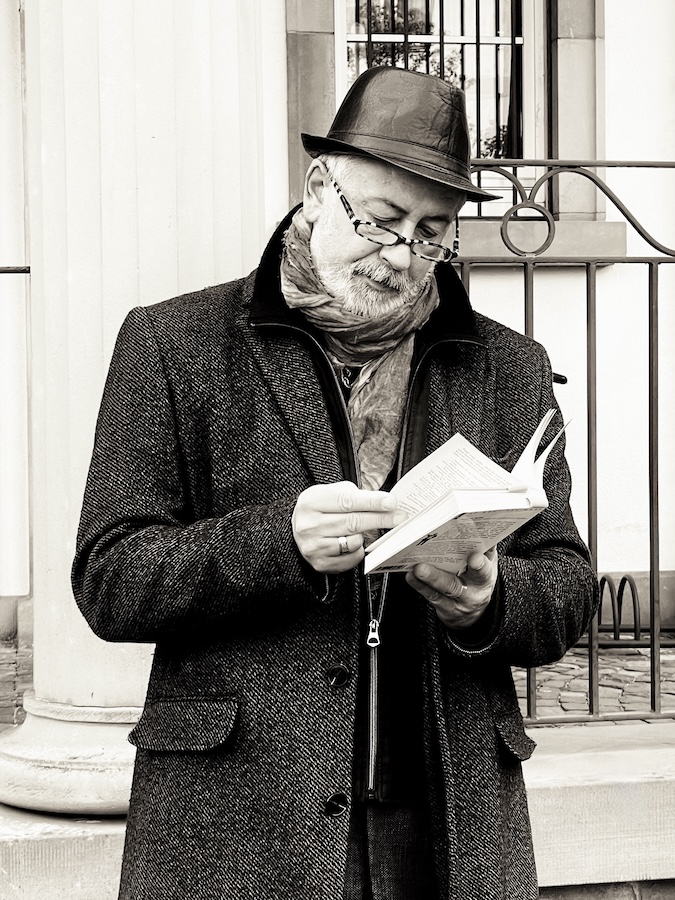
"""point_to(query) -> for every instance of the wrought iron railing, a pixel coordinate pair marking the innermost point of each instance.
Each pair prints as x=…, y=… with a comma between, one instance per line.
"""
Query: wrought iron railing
x=533, y=198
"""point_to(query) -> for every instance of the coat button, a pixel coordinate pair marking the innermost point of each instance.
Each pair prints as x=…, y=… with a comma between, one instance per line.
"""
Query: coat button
x=337, y=675
x=336, y=805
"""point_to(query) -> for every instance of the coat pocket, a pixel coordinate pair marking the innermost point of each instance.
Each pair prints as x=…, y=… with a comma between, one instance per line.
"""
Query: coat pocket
x=511, y=730
x=185, y=725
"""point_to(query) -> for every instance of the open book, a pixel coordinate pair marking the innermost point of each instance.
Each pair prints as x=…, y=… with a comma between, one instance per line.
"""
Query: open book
x=459, y=501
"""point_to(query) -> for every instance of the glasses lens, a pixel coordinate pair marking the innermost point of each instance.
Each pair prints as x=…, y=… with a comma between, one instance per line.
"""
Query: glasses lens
x=430, y=251
x=381, y=235
x=376, y=233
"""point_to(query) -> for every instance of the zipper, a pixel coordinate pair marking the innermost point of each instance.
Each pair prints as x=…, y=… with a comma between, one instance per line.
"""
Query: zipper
x=373, y=642
x=373, y=639
x=373, y=720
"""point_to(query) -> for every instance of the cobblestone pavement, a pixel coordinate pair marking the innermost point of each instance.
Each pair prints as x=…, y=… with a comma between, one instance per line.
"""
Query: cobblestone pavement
x=624, y=680
x=562, y=688
x=16, y=676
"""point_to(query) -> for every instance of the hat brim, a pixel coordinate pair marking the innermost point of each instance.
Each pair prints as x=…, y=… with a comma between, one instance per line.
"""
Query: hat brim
x=315, y=146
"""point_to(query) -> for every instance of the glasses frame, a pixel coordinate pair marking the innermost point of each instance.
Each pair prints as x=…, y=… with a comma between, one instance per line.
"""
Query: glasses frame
x=448, y=254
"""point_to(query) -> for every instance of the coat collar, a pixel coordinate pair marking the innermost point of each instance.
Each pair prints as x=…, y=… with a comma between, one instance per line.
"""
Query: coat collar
x=453, y=319
x=278, y=340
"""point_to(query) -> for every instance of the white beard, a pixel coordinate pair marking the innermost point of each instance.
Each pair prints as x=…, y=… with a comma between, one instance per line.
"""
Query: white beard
x=359, y=298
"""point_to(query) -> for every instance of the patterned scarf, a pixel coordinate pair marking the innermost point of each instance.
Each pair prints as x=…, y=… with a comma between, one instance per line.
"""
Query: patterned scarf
x=381, y=345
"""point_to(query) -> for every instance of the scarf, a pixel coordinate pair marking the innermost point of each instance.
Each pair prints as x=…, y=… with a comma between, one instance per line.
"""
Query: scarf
x=381, y=345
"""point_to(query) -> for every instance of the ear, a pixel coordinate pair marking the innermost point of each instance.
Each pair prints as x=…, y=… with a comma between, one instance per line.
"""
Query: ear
x=314, y=190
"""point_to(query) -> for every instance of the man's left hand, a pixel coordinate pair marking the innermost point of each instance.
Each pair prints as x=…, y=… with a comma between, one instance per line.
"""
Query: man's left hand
x=459, y=600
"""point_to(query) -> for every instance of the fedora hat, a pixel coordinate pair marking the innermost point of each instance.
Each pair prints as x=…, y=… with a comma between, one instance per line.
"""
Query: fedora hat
x=413, y=121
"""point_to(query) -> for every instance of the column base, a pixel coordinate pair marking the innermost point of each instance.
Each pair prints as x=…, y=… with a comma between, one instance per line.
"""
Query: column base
x=68, y=759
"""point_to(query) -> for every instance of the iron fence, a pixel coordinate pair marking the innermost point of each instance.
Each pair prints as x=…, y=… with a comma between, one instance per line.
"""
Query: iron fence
x=603, y=640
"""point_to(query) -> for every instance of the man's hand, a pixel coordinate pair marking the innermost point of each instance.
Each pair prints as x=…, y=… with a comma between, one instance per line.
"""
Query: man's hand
x=329, y=522
x=459, y=601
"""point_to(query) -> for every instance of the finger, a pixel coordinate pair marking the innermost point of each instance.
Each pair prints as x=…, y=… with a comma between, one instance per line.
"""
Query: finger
x=444, y=582
x=320, y=550
x=333, y=524
x=354, y=499
x=332, y=564
x=481, y=568
x=343, y=545
x=435, y=585
x=346, y=497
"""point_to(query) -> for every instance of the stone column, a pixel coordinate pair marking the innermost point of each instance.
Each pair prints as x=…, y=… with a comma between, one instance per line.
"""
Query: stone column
x=71, y=753
x=153, y=168
x=13, y=391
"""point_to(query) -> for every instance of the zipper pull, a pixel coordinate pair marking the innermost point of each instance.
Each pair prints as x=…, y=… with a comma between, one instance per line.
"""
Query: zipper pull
x=373, y=639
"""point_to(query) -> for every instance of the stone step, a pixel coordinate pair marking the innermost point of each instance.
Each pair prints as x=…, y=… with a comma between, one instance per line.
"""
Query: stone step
x=602, y=803
x=49, y=857
x=601, y=796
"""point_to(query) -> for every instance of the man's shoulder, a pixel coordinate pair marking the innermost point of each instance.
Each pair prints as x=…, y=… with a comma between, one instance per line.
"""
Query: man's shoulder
x=500, y=337
x=210, y=311
x=517, y=359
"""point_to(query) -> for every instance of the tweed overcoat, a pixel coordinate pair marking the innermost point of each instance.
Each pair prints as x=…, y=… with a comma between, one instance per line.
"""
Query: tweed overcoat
x=212, y=422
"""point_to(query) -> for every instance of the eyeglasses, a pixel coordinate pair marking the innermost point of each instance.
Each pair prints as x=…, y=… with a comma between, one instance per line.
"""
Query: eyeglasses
x=380, y=234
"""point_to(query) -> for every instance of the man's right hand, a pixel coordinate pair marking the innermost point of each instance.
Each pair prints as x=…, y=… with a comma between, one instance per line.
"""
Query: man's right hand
x=329, y=522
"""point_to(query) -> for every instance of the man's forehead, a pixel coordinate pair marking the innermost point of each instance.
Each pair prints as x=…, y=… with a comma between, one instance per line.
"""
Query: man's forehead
x=398, y=187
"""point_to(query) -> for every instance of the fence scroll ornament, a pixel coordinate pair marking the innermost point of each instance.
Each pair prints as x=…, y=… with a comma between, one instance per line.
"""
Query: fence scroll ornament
x=556, y=168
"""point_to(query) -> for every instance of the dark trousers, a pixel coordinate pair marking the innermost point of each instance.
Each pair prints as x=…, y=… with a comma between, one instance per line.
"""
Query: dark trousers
x=389, y=855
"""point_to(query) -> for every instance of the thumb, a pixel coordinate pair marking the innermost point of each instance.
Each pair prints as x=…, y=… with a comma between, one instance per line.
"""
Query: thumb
x=478, y=568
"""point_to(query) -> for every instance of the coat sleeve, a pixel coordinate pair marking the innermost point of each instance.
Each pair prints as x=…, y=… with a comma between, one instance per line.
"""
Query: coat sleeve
x=144, y=567
x=547, y=590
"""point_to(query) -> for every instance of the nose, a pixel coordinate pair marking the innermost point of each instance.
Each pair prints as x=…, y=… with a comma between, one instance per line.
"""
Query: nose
x=399, y=256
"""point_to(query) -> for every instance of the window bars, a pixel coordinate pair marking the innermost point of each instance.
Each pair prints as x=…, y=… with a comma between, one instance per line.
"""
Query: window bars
x=476, y=45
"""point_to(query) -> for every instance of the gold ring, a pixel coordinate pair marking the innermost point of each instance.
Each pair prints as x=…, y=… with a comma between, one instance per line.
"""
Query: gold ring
x=344, y=547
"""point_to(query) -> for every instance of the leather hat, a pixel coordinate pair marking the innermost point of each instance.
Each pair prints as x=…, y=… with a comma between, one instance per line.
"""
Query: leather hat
x=414, y=121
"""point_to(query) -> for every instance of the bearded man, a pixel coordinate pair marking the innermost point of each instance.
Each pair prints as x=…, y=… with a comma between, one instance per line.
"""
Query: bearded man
x=309, y=731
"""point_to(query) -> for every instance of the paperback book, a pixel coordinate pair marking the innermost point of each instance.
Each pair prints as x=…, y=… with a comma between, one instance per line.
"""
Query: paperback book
x=460, y=501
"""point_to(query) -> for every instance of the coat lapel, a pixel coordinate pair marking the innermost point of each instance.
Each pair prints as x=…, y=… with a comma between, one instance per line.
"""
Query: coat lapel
x=457, y=385
x=290, y=375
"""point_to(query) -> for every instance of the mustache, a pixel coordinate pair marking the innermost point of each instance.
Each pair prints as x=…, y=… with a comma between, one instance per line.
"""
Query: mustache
x=378, y=271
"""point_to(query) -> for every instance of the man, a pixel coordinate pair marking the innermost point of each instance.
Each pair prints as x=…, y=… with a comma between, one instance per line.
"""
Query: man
x=310, y=732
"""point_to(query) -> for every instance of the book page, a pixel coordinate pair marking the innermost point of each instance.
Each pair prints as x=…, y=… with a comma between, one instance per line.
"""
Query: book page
x=456, y=465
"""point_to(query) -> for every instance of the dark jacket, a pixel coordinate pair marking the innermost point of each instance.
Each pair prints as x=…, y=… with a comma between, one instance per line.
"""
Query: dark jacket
x=211, y=424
